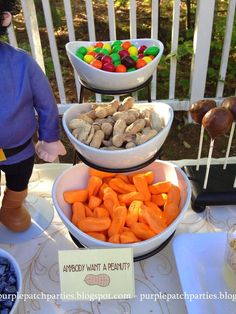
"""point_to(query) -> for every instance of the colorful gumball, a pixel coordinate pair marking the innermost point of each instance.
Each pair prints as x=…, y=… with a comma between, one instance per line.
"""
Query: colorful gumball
x=104, y=51
x=109, y=67
x=126, y=45
x=147, y=59
x=79, y=55
x=116, y=49
x=117, y=42
x=92, y=53
x=135, y=58
x=128, y=62
x=96, y=64
x=82, y=50
x=88, y=58
x=121, y=68
x=106, y=59
x=98, y=49
x=140, y=63
x=142, y=48
x=107, y=47
x=131, y=70
x=99, y=56
x=90, y=48
x=153, y=50
x=141, y=56
x=133, y=51
x=115, y=57
x=123, y=53
x=99, y=44
x=116, y=63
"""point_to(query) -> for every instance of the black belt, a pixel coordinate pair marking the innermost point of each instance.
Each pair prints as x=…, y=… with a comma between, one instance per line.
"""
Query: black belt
x=8, y=152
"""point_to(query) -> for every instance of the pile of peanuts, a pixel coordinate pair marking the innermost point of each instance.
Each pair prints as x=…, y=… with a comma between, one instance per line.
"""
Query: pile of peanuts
x=116, y=126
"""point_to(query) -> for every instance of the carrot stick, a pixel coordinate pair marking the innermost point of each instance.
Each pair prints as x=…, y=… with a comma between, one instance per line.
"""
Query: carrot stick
x=133, y=212
x=88, y=211
x=160, y=187
x=174, y=195
x=159, y=199
x=118, y=221
x=101, y=212
x=154, y=207
x=73, y=196
x=171, y=211
x=114, y=239
x=91, y=224
x=128, y=237
x=94, y=201
x=123, y=177
x=94, y=184
x=78, y=212
x=149, y=176
x=121, y=186
x=97, y=235
x=142, y=231
x=100, y=174
x=142, y=186
x=156, y=222
x=128, y=198
x=101, y=190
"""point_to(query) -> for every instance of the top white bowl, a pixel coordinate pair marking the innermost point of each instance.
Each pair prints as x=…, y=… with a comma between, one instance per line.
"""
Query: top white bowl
x=18, y=274
x=104, y=80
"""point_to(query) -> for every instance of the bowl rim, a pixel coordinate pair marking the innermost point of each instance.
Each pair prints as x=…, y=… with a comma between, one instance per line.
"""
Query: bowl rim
x=118, y=245
x=150, y=64
x=118, y=151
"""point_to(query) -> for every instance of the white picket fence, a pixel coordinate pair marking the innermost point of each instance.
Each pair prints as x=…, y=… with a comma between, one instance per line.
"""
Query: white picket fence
x=201, y=48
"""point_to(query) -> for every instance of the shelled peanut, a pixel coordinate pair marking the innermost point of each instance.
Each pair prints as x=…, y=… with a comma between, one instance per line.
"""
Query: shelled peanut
x=121, y=208
x=116, y=126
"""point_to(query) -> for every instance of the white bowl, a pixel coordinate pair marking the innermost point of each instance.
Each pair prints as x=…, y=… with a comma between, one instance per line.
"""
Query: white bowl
x=104, y=80
x=76, y=177
x=17, y=269
x=121, y=159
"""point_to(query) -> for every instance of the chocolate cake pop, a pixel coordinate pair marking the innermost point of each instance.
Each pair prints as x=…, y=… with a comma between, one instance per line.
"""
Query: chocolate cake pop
x=217, y=121
x=197, y=112
x=230, y=104
x=200, y=108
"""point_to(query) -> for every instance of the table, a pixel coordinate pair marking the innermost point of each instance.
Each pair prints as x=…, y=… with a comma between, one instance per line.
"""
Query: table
x=38, y=259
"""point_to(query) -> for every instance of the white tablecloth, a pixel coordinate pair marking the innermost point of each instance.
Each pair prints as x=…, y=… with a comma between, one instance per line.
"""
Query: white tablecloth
x=38, y=259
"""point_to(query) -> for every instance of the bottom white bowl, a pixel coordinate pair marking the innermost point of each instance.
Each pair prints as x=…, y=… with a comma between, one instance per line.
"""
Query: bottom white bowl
x=76, y=177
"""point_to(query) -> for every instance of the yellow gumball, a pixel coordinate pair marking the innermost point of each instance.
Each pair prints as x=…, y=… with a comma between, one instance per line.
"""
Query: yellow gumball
x=107, y=47
x=147, y=59
x=90, y=48
x=133, y=51
x=88, y=58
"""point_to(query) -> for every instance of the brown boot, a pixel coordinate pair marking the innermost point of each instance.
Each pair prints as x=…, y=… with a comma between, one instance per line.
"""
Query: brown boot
x=13, y=214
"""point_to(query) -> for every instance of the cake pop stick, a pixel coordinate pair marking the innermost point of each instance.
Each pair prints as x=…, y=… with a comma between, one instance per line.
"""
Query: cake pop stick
x=217, y=122
x=197, y=111
x=230, y=104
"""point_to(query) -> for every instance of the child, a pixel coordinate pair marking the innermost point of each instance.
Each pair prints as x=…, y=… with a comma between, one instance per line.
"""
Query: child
x=23, y=89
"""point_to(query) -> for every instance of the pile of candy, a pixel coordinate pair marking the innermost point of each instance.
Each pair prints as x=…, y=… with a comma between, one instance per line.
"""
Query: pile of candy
x=118, y=56
x=8, y=286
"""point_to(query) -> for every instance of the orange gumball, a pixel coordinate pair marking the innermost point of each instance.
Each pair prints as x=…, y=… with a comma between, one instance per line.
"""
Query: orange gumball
x=121, y=68
x=92, y=53
x=96, y=64
x=140, y=63
x=126, y=45
x=99, y=44
x=152, y=57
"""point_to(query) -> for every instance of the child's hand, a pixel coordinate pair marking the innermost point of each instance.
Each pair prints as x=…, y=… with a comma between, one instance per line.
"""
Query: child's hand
x=49, y=151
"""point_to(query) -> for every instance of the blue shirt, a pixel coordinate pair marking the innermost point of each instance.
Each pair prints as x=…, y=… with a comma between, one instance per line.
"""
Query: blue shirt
x=24, y=88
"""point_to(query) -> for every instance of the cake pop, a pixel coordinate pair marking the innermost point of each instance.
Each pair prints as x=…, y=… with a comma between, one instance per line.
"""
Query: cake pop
x=216, y=121
x=197, y=112
x=230, y=104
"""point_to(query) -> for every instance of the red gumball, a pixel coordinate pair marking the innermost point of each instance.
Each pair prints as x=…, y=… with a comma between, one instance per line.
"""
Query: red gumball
x=99, y=56
x=123, y=53
x=106, y=59
x=142, y=48
x=109, y=67
x=140, y=55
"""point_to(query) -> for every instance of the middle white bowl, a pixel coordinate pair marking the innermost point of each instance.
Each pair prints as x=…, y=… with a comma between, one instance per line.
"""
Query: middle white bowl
x=121, y=159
